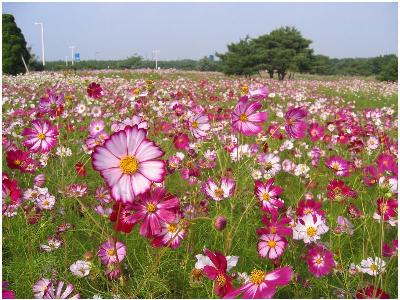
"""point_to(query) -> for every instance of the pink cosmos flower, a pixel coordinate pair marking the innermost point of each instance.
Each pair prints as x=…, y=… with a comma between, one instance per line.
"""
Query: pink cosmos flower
x=129, y=163
x=340, y=166
x=320, y=261
x=219, y=192
x=57, y=293
x=268, y=194
x=386, y=163
x=261, y=284
x=171, y=234
x=41, y=137
x=96, y=127
x=199, y=125
x=271, y=245
x=111, y=251
x=52, y=104
x=246, y=120
x=154, y=207
x=316, y=132
x=135, y=120
x=41, y=287
x=259, y=93
x=295, y=124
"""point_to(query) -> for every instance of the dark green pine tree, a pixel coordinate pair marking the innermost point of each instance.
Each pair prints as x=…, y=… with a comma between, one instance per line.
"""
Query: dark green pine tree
x=14, y=45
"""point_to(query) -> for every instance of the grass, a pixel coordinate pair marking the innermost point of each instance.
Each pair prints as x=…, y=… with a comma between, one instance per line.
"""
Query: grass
x=166, y=273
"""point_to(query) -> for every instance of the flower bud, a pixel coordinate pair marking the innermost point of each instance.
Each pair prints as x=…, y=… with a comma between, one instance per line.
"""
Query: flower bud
x=220, y=223
x=40, y=180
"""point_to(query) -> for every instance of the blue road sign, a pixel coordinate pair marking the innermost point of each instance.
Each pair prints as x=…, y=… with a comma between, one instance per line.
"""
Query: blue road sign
x=77, y=57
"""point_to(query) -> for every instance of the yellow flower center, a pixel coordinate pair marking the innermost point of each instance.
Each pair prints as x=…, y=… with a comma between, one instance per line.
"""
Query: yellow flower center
x=171, y=228
x=273, y=229
x=45, y=203
x=17, y=162
x=243, y=118
x=219, y=193
x=257, y=276
x=319, y=260
x=335, y=166
x=41, y=136
x=151, y=208
x=100, y=196
x=314, y=132
x=291, y=121
x=265, y=197
x=374, y=267
x=311, y=231
x=195, y=124
x=271, y=244
x=136, y=91
x=129, y=165
x=268, y=166
x=308, y=211
x=111, y=252
x=245, y=89
x=221, y=280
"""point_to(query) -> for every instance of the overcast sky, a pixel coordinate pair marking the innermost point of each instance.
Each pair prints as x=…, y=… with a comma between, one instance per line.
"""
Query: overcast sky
x=193, y=30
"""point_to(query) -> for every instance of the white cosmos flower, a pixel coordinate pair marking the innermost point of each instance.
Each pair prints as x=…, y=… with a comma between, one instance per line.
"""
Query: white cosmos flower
x=203, y=260
x=309, y=228
x=372, y=266
x=80, y=268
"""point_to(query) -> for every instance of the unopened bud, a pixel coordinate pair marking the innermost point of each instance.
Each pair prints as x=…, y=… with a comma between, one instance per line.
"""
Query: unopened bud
x=220, y=223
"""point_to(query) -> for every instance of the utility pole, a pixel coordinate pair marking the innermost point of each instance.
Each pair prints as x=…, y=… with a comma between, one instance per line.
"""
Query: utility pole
x=72, y=54
x=66, y=61
x=155, y=52
x=41, y=26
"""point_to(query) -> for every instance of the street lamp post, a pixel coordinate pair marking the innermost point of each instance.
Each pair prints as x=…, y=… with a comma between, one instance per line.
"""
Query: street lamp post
x=41, y=26
x=155, y=52
x=72, y=54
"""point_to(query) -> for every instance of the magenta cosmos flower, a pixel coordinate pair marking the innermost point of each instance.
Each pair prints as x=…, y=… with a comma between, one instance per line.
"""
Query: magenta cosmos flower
x=246, y=120
x=153, y=208
x=320, y=261
x=340, y=166
x=94, y=90
x=316, y=132
x=111, y=251
x=217, y=272
x=129, y=163
x=199, y=125
x=295, y=124
x=268, y=194
x=41, y=137
x=261, y=284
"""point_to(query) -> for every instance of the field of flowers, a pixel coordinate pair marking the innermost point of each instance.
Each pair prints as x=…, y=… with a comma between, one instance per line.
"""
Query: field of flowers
x=196, y=185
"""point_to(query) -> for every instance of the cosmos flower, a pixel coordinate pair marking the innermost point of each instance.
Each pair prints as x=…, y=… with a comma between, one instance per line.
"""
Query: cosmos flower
x=309, y=228
x=124, y=210
x=154, y=207
x=262, y=284
x=246, y=120
x=315, y=131
x=268, y=194
x=94, y=90
x=372, y=266
x=55, y=291
x=11, y=195
x=340, y=166
x=271, y=245
x=295, y=124
x=41, y=287
x=171, y=234
x=217, y=272
x=52, y=104
x=80, y=268
x=181, y=141
x=344, y=226
x=339, y=191
x=218, y=192
x=389, y=251
x=20, y=160
x=129, y=163
x=102, y=195
x=274, y=225
x=6, y=293
x=371, y=292
x=96, y=127
x=199, y=125
x=112, y=251
x=320, y=260
x=53, y=243
x=271, y=164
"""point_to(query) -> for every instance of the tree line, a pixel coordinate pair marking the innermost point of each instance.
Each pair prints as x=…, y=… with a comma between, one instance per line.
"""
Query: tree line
x=282, y=53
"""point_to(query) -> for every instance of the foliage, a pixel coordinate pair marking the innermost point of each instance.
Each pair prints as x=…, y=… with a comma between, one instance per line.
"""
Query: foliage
x=389, y=70
x=14, y=46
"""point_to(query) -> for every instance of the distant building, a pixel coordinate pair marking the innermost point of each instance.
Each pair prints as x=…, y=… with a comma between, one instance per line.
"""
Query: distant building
x=211, y=57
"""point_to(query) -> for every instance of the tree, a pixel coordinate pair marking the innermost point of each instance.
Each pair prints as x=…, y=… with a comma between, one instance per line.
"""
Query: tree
x=206, y=64
x=14, y=46
x=281, y=50
x=240, y=59
x=389, y=70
